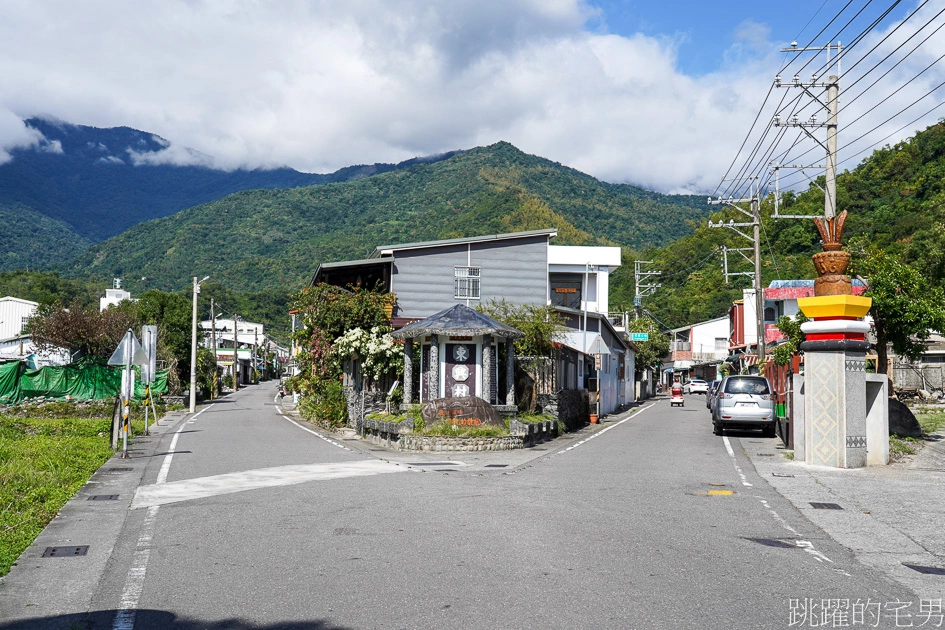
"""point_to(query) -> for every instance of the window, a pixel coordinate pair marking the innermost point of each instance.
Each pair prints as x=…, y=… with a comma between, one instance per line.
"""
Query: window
x=566, y=289
x=466, y=283
x=721, y=344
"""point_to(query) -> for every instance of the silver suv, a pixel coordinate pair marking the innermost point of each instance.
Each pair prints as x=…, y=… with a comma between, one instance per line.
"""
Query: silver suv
x=744, y=402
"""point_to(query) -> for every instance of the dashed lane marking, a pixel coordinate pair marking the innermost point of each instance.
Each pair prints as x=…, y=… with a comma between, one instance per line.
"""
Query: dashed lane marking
x=605, y=430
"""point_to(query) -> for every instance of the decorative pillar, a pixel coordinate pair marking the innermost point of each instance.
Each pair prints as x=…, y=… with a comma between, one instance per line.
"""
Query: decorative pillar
x=433, y=385
x=488, y=384
x=509, y=371
x=835, y=404
x=408, y=371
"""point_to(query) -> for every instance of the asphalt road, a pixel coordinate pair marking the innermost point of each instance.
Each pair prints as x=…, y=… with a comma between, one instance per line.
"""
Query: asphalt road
x=248, y=520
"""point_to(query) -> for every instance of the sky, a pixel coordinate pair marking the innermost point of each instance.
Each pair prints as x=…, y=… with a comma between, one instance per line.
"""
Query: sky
x=657, y=94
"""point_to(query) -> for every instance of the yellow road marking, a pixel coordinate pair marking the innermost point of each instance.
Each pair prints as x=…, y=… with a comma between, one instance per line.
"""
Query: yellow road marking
x=720, y=492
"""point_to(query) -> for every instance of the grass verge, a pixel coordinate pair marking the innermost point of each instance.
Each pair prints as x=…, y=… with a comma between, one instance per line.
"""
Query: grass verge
x=930, y=422
x=43, y=463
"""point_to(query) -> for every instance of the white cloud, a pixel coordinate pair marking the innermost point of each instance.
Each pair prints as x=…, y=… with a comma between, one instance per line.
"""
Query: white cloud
x=322, y=85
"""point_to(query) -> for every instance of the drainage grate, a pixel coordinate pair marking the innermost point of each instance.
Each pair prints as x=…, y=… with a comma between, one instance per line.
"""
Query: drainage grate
x=926, y=570
x=773, y=542
x=118, y=469
x=433, y=464
x=765, y=454
x=496, y=465
x=782, y=475
x=103, y=497
x=825, y=506
x=65, y=552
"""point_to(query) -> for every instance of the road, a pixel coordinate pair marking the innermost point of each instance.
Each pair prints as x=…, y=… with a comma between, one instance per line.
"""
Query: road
x=250, y=520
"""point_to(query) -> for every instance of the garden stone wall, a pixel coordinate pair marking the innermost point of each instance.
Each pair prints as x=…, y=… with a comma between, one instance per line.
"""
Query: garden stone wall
x=374, y=402
x=569, y=406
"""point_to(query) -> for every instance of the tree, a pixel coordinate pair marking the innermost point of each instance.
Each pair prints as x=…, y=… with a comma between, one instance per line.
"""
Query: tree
x=652, y=351
x=906, y=306
x=792, y=328
x=542, y=325
x=84, y=331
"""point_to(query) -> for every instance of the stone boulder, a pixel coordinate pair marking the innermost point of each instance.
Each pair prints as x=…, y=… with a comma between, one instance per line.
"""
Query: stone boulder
x=468, y=411
x=902, y=422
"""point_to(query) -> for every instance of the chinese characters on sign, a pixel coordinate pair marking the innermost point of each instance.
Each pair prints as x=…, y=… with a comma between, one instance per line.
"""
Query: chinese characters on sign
x=849, y=613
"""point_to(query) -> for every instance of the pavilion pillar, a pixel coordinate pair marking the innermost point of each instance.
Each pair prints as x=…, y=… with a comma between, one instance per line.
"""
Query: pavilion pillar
x=509, y=372
x=488, y=382
x=433, y=385
x=408, y=371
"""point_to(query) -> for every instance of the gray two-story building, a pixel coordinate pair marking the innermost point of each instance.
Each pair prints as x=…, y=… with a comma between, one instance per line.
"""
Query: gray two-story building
x=520, y=268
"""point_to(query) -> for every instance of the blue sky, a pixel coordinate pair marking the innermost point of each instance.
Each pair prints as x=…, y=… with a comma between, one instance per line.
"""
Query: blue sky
x=657, y=94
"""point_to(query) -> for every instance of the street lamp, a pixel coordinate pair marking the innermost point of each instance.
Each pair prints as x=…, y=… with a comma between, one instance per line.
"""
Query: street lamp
x=193, y=349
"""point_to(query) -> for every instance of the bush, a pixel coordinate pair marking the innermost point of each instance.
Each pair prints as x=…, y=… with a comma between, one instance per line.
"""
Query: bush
x=324, y=404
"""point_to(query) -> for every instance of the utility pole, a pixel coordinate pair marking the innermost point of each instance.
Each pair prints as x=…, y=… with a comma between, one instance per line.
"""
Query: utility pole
x=213, y=336
x=255, y=344
x=642, y=290
x=193, y=349
x=236, y=362
x=740, y=251
x=755, y=215
x=831, y=106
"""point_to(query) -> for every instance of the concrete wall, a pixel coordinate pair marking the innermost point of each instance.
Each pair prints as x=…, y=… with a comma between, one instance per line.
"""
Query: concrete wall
x=514, y=270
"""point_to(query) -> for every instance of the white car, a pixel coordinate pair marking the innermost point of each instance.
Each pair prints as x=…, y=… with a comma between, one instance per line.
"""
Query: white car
x=696, y=386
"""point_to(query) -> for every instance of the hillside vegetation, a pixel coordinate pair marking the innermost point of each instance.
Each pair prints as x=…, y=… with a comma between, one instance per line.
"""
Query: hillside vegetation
x=895, y=199
x=261, y=239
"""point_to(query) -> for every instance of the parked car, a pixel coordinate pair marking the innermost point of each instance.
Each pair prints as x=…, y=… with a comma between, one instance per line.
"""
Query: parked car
x=710, y=394
x=696, y=386
x=744, y=402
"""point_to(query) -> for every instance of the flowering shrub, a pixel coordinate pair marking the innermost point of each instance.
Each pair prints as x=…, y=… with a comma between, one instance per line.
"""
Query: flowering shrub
x=376, y=350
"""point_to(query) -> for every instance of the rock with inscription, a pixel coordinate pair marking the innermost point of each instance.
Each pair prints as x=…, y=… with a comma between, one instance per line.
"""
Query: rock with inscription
x=467, y=411
x=901, y=420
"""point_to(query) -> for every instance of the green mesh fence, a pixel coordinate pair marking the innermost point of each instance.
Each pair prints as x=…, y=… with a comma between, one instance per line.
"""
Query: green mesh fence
x=84, y=380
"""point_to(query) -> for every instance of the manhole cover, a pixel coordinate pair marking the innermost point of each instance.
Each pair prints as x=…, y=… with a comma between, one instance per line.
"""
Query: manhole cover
x=926, y=570
x=825, y=506
x=496, y=465
x=103, y=497
x=773, y=542
x=65, y=552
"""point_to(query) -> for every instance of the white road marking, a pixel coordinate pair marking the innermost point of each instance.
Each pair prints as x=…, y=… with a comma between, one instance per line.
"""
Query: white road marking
x=134, y=581
x=731, y=454
x=315, y=433
x=188, y=489
x=605, y=430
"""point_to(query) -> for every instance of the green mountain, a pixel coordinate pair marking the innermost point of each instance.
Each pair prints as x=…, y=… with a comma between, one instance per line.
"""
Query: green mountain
x=260, y=239
x=35, y=241
x=895, y=199
x=96, y=183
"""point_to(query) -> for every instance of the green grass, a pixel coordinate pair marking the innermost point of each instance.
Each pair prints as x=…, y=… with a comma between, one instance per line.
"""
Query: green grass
x=42, y=464
x=486, y=430
x=930, y=421
x=44, y=461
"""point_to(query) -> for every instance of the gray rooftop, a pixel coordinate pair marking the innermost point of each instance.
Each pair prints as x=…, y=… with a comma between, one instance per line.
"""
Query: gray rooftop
x=458, y=321
x=379, y=251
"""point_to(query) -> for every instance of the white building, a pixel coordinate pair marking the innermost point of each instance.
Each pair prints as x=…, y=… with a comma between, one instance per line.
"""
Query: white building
x=113, y=296
x=14, y=314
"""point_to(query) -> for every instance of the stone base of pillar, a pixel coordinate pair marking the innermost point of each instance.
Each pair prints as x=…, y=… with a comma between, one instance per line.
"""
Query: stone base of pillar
x=835, y=409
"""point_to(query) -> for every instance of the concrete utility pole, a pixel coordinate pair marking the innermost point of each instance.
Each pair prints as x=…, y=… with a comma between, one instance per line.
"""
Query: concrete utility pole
x=236, y=381
x=740, y=250
x=755, y=215
x=831, y=106
x=193, y=349
x=642, y=290
x=213, y=337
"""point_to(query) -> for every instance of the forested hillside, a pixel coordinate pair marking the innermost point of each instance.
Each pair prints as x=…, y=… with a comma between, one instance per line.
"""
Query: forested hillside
x=261, y=239
x=100, y=182
x=895, y=200
x=35, y=241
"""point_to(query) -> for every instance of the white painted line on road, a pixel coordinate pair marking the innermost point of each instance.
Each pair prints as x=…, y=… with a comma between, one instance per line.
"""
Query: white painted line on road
x=731, y=454
x=778, y=518
x=315, y=433
x=605, y=430
x=134, y=582
x=202, y=487
x=166, y=465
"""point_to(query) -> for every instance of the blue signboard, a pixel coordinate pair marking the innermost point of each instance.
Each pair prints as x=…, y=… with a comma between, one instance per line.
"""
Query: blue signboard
x=639, y=336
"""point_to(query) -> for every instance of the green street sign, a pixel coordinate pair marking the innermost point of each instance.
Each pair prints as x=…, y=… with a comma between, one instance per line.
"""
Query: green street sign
x=639, y=336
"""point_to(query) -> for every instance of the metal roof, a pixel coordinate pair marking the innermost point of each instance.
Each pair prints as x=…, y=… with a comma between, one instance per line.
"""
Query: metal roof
x=387, y=249
x=458, y=321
